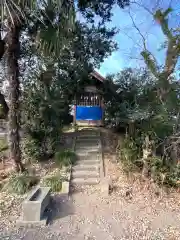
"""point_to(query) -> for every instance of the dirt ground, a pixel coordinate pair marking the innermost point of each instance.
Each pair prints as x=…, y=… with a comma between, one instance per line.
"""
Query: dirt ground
x=133, y=211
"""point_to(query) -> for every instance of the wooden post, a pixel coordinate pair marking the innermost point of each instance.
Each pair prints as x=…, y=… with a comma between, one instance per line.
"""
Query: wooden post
x=74, y=116
x=102, y=107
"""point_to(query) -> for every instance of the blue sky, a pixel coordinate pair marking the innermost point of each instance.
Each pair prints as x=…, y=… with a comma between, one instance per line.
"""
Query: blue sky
x=129, y=40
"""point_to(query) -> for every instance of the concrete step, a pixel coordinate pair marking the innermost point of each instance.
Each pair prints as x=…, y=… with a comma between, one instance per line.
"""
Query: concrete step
x=85, y=167
x=82, y=181
x=89, y=140
x=87, y=157
x=89, y=132
x=88, y=148
x=88, y=162
x=88, y=143
x=86, y=152
x=85, y=174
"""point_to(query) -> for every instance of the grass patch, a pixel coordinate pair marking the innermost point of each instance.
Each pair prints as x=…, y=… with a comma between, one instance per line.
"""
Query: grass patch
x=1, y=186
x=3, y=145
x=54, y=182
x=65, y=158
x=129, y=155
x=67, y=128
x=20, y=184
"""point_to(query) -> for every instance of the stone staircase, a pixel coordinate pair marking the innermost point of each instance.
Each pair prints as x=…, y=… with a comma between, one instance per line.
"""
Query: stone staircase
x=86, y=171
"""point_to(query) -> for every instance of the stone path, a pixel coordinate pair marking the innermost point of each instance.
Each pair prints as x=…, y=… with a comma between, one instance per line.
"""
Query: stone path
x=88, y=215
x=88, y=150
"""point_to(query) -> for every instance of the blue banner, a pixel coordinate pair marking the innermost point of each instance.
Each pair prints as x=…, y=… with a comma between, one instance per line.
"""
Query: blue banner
x=88, y=113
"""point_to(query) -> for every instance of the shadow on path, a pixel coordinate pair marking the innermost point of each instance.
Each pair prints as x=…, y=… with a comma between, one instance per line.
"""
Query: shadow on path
x=61, y=206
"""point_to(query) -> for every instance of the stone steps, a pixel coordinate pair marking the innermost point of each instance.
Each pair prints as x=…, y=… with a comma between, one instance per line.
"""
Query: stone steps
x=85, y=174
x=86, y=171
x=84, y=161
x=86, y=167
x=88, y=145
x=90, y=150
x=86, y=152
x=87, y=155
x=88, y=139
x=82, y=181
x=88, y=136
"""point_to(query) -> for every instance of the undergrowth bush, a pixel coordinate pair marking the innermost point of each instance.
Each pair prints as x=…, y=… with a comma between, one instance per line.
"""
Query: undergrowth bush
x=3, y=145
x=158, y=169
x=3, y=149
x=54, y=182
x=172, y=177
x=31, y=149
x=65, y=158
x=1, y=186
x=20, y=184
x=163, y=171
x=76, y=127
x=44, y=113
x=39, y=149
x=129, y=154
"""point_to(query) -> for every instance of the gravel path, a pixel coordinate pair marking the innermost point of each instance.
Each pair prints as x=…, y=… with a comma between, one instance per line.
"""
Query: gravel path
x=133, y=211
x=89, y=216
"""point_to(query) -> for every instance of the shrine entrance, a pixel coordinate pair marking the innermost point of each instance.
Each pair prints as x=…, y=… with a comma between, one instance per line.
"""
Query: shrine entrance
x=89, y=108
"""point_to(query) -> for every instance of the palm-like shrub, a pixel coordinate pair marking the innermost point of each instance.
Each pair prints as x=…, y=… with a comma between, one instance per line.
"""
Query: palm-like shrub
x=20, y=184
x=54, y=182
x=65, y=158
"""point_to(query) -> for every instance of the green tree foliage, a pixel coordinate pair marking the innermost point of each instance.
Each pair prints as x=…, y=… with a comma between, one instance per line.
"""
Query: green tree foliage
x=129, y=88
x=172, y=45
x=54, y=30
x=48, y=91
x=151, y=109
x=101, y=8
x=45, y=111
x=54, y=182
x=151, y=142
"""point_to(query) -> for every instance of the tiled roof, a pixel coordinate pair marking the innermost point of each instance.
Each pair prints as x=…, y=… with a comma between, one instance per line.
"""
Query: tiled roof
x=97, y=76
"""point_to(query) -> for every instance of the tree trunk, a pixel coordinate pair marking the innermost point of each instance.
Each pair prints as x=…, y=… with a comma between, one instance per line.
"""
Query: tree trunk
x=12, y=53
x=148, y=151
x=3, y=107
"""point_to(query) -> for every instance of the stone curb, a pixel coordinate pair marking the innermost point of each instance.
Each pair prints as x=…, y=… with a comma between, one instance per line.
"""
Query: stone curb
x=64, y=193
x=34, y=206
x=66, y=184
x=101, y=157
x=28, y=224
x=105, y=181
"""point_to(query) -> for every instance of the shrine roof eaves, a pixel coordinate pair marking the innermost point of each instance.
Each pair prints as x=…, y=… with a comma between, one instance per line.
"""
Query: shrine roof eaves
x=97, y=76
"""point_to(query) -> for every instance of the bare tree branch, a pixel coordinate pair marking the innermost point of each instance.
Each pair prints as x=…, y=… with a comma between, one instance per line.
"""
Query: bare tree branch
x=135, y=26
x=172, y=56
x=149, y=58
x=173, y=40
x=142, y=6
x=130, y=37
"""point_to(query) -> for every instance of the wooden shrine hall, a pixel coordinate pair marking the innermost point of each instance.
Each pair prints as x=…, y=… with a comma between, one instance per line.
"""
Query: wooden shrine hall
x=89, y=105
